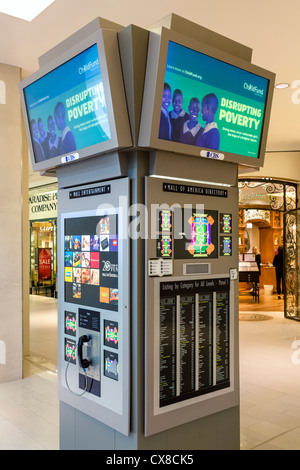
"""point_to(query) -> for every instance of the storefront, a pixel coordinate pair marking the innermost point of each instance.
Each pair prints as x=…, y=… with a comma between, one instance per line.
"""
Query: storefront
x=43, y=233
x=265, y=206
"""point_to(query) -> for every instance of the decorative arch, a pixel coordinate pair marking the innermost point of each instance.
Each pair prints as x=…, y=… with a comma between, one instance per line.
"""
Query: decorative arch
x=280, y=196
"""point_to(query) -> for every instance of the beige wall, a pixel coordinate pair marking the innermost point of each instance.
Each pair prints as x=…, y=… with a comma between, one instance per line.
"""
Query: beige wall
x=11, y=226
x=279, y=165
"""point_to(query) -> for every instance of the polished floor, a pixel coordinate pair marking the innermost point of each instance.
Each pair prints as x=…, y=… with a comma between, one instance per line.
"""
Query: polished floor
x=269, y=376
x=269, y=381
x=29, y=417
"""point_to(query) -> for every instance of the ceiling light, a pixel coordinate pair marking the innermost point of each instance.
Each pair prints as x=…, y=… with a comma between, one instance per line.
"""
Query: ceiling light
x=282, y=85
x=24, y=9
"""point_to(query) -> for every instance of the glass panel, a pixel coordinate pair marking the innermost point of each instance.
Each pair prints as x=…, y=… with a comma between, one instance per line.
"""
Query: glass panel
x=290, y=197
x=291, y=264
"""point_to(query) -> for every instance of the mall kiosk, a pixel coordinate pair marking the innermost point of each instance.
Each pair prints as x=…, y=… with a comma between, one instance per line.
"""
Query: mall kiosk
x=147, y=228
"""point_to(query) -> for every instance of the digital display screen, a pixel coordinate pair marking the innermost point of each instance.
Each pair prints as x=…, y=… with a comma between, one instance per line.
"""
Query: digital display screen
x=70, y=350
x=164, y=247
x=226, y=223
x=70, y=323
x=111, y=334
x=66, y=108
x=111, y=365
x=225, y=246
x=91, y=261
x=199, y=235
x=187, y=233
x=211, y=104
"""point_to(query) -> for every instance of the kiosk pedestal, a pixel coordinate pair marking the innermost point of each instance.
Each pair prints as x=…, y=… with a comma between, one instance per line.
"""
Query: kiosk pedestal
x=147, y=236
x=188, y=307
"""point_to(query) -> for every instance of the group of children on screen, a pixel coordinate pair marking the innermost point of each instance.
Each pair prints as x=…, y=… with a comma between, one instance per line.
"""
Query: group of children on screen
x=179, y=126
x=47, y=144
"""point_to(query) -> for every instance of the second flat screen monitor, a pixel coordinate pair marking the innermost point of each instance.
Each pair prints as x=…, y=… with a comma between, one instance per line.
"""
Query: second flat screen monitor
x=211, y=104
x=204, y=102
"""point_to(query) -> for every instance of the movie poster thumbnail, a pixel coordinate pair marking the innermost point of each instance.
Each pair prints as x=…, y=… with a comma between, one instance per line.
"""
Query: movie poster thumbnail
x=165, y=221
x=111, y=365
x=70, y=323
x=70, y=350
x=164, y=247
x=111, y=334
x=225, y=246
x=226, y=223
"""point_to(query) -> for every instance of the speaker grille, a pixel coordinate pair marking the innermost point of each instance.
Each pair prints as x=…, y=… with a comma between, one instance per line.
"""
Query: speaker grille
x=196, y=268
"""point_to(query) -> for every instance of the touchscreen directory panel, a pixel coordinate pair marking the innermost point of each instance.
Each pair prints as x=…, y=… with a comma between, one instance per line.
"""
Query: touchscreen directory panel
x=91, y=261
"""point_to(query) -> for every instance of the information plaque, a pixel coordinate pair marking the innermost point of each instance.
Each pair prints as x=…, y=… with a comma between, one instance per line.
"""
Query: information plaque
x=194, y=338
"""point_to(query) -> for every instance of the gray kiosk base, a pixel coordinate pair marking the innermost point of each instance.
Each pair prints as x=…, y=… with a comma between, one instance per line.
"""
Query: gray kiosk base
x=78, y=431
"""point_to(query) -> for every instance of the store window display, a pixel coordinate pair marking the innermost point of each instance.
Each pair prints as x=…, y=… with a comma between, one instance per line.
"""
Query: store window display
x=43, y=229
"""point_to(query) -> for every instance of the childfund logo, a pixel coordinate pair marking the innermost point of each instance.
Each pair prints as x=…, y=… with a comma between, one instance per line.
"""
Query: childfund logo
x=89, y=66
x=253, y=89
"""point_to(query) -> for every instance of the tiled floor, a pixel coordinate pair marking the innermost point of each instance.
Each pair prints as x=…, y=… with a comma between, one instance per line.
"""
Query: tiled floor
x=270, y=377
x=269, y=369
x=29, y=412
x=29, y=407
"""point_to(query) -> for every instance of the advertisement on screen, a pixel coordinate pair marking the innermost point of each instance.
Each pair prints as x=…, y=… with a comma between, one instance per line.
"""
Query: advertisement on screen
x=210, y=104
x=67, y=108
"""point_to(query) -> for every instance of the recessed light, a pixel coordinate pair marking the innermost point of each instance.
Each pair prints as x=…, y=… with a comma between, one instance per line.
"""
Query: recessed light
x=282, y=85
x=25, y=10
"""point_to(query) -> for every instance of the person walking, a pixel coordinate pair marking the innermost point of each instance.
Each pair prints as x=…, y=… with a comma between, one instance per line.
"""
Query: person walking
x=278, y=263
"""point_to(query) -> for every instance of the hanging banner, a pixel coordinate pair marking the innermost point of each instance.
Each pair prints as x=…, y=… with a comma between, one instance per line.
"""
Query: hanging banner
x=44, y=264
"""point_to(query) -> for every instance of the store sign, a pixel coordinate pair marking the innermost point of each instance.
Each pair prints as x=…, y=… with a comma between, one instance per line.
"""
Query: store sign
x=42, y=205
x=44, y=264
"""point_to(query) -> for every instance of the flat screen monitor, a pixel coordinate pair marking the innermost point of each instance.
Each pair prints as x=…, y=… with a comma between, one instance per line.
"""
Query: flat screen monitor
x=203, y=102
x=74, y=107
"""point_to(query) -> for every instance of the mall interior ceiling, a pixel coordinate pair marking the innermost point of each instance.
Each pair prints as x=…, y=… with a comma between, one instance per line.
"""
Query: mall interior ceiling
x=270, y=29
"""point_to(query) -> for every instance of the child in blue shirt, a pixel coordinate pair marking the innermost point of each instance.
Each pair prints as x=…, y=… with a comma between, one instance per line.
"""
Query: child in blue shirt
x=191, y=128
x=210, y=138
x=177, y=115
x=165, y=125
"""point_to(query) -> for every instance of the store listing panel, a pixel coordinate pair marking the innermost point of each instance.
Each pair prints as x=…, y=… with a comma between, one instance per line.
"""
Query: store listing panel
x=194, y=338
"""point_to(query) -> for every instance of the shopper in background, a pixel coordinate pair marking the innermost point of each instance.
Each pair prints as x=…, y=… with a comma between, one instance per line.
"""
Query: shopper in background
x=258, y=261
x=278, y=263
x=257, y=258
